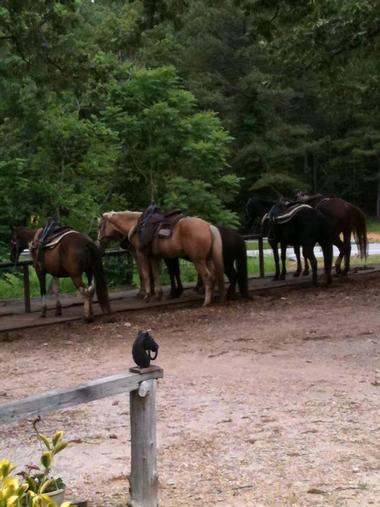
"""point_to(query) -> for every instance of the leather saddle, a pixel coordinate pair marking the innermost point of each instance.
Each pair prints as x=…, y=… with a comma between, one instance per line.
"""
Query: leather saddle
x=155, y=223
x=48, y=239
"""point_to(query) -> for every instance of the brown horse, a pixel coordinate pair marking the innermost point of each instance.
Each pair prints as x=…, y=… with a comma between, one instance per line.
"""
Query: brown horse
x=345, y=219
x=192, y=237
x=74, y=254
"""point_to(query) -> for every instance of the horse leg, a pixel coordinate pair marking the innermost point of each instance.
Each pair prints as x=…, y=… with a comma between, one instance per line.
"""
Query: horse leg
x=306, y=270
x=140, y=293
x=207, y=278
x=341, y=246
x=87, y=294
x=177, y=274
x=231, y=274
x=347, y=253
x=176, y=287
x=42, y=280
x=145, y=270
x=55, y=288
x=199, y=288
x=298, y=271
x=283, y=261
x=155, y=264
x=274, y=246
x=308, y=252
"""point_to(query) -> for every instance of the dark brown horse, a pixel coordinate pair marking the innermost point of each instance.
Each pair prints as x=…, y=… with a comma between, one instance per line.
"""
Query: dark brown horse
x=72, y=256
x=345, y=219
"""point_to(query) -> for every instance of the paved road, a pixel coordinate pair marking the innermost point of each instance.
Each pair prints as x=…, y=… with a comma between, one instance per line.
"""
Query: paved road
x=373, y=249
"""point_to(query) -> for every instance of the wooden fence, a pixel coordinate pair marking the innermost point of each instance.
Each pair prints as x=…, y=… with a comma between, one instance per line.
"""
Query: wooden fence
x=141, y=385
x=24, y=264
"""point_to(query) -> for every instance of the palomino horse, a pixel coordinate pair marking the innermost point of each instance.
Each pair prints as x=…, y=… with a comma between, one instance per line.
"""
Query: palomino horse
x=235, y=265
x=345, y=219
x=301, y=226
x=192, y=237
x=74, y=254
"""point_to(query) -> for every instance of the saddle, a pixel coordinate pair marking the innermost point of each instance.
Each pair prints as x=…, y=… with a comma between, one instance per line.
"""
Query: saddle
x=47, y=239
x=155, y=223
x=278, y=216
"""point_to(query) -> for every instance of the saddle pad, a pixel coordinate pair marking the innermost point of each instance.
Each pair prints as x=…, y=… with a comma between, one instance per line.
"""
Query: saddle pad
x=57, y=239
x=289, y=214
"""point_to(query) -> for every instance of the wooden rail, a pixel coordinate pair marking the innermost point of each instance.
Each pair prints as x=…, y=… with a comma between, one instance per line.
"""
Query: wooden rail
x=24, y=264
x=141, y=385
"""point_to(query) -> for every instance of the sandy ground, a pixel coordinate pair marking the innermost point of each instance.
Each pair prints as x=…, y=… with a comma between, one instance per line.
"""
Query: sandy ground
x=274, y=402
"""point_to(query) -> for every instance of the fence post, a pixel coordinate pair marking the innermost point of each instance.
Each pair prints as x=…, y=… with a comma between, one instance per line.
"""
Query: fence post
x=261, y=257
x=26, y=288
x=143, y=479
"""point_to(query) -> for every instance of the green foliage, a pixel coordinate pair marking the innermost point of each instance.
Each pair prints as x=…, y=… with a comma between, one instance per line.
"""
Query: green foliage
x=33, y=492
x=279, y=183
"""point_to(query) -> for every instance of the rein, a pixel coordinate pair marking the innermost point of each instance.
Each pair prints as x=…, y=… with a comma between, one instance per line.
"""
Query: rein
x=152, y=356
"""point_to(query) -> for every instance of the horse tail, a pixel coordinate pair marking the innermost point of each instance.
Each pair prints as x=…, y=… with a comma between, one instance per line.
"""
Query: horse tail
x=359, y=230
x=217, y=258
x=242, y=269
x=100, y=278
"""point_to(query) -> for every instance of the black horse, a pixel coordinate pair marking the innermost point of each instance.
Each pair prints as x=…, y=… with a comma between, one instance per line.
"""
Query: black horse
x=255, y=209
x=235, y=265
x=300, y=225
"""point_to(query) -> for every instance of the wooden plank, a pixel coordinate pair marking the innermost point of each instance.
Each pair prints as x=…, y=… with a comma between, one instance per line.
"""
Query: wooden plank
x=143, y=478
x=83, y=393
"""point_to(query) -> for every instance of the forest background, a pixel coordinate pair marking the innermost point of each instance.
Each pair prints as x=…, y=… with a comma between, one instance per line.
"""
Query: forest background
x=196, y=104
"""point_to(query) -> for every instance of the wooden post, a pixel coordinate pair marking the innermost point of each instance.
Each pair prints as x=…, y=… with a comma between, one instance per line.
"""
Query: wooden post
x=261, y=257
x=26, y=288
x=143, y=478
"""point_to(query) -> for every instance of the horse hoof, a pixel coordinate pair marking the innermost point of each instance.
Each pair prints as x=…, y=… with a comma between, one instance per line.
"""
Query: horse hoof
x=282, y=277
x=42, y=315
x=147, y=298
x=275, y=278
x=305, y=273
x=296, y=274
x=88, y=320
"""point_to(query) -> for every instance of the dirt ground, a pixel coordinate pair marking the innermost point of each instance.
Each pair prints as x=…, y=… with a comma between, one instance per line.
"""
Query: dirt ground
x=274, y=402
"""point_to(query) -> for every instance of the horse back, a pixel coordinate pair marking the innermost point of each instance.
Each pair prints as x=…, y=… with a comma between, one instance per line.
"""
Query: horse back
x=339, y=212
x=191, y=237
x=69, y=255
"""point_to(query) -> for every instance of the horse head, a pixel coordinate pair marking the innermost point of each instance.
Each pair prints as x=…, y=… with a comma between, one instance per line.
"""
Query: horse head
x=116, y=225
x=19, y=242
x=142, y=347
x=106, y=231
x=255, y=210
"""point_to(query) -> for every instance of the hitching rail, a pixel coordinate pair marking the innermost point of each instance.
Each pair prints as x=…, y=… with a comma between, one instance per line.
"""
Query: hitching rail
x=141, y=385
x=24, y=264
